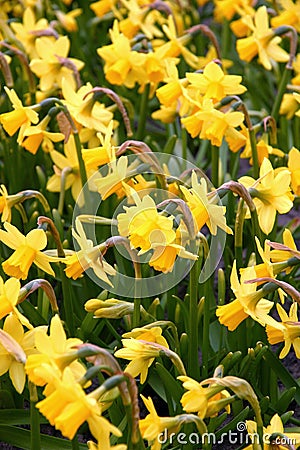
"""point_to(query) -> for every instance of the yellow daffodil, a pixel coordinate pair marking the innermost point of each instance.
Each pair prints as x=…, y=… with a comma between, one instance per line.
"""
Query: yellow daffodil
x=164, y=256
x=294, y=168
x=27, y=251
x=7, y=202
x=271, y=193
x=248, y=301
x=153, y=334
x=289, y=14
x=67, y=164
x=214, y=84
x=122, y=65
x=210, y=123
x=284, y=251
x=89, y=256
x=263, y=151
x=172, y=90
x=176, y=45
x=289, y=106
x=20, y=118
x=276, y=426
x=9, y=293
x=198, y=397
x=67, y=20
x=36, y=135
x=9, y=360
x=139, y=222
x=102, y=7
x=139, y=18
x=53, y=64
x=27, y=31
x=266, y=268
x=287, y=331
x=85, y=111
x=50, y=360
x=153, y=425
x=68, y=406
x=95, y=157
x=112, y=183
x=204, y=210
x=141, y=355
x=261, y=42
x=227, y=9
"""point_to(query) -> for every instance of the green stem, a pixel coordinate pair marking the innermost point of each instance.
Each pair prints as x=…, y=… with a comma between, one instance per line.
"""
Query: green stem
x=281, y=90
x=35, y=436
x=63, y=178
x=193, y=359
x=238, y=235
x=184, y=143
x=143, y=113
x=206, y=321
x=215, y=165
x=75, y=443
x=82, y=171
x=136, y=317
x=255, y=162
x=136, y=313
x=67, y=302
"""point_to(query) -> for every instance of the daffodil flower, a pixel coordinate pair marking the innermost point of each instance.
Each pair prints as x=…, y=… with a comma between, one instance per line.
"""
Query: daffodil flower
x=52, y=355
x=271, y=193
x=261, y=42
x=20, y=118
x=214, y=84
x=210, y=123
x=288, y=15
x=84, y=110
x=63, y=162
x=112, y=183
x=27, y=31
x=20, y=341
x=122, y=65
x=294, y=168
x=285, y=251
x=48, y=66
x=197, y=397
x=6, y=203
x=68, y=406
x=204, y=211
x=27, y=250
x=95, y=157
x=34, y=136
x=89, y=256
x=287, y=331
x=141, y=353
x=248, y=301
x=153, y=334
x=67, y=20
x=266, y=268
x=153, y=425
x=139, y=222
x=276, y=426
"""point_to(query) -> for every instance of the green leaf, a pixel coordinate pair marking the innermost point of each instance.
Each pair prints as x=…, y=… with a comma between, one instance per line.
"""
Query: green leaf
x=21, y=438
x=173, y=386
x=284, y=400
x=282, y=373
x=17, y=417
